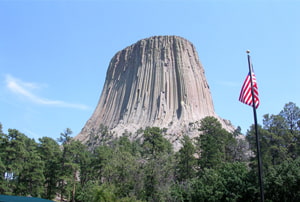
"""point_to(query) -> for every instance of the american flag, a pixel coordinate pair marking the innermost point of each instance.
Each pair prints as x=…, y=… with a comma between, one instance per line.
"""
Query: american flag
x=246, y=94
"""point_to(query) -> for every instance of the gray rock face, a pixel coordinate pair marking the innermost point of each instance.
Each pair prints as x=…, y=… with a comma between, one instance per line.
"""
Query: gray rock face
x=158, y=81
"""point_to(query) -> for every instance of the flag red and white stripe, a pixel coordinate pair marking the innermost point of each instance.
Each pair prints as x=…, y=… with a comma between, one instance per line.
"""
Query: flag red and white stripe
x=246, y=94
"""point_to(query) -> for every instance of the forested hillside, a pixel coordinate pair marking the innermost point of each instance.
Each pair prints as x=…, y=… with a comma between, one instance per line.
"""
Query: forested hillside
x=215, y=166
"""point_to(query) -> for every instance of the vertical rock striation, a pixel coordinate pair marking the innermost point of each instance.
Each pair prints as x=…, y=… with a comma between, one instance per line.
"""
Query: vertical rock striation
x=158, y=81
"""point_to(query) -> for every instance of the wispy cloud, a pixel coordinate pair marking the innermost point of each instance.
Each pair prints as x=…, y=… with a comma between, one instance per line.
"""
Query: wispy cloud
x=25, y=89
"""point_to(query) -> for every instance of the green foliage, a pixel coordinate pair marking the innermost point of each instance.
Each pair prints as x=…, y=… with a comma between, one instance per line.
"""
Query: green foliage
x=121, y=171
x=213, y=144
x=157, y=166
x=3, y=164
x=31, y=178
x=154, y=143
x=118, y=165
x=283, y=181
x=186, y=160
x=230, y=182
x=50, y=153
x=72, y=161
x=214, y=166
x=279, y=136
x=86, y=192
x=104, y=193
x=3, y=182
x=102, y=157
x=65, y=136
x=235, y=179
x=93, y=192
x=22, y=165
x=99, y=138
x=291, y=114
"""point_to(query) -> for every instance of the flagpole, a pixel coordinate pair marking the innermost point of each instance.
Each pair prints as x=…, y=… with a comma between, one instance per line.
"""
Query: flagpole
x=259, y=161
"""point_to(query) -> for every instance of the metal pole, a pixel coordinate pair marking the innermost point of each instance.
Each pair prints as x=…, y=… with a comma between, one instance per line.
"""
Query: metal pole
x=260, y=173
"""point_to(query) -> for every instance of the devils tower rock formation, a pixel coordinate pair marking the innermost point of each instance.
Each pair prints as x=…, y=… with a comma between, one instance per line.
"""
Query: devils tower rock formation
x=158, y=81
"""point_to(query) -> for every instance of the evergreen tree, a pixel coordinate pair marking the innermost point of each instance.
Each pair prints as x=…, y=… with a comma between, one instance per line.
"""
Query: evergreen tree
x=15, y=155
x=158, y=166
x=74, y=158
x=24, y=167
x=283, y=181
x=50, y=154
x=229, y=182
x=86, y=166
x=122, y=171
x=154, y=143
x=65, y=171
x=186, y=160
x=291, y=115
x=31, y=178
x=147, y=169
x=4, y=187
x=264, y=143
x=211, y=143
x=116, y=164
x=279, y=136
x=102, y=156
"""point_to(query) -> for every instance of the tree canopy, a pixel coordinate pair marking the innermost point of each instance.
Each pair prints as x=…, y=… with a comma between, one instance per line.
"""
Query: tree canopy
x=216, y=165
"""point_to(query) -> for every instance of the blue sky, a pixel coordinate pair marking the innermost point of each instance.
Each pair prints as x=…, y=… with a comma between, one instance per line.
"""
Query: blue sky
x=54, y=54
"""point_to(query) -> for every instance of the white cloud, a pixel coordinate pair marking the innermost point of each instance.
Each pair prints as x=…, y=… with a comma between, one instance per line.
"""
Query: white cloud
x=24, y=89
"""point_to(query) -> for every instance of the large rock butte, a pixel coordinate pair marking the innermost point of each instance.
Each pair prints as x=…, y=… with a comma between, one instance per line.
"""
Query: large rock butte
x=158, y=81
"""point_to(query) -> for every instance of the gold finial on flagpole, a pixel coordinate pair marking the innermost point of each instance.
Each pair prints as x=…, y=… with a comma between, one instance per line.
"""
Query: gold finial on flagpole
x=247, y=51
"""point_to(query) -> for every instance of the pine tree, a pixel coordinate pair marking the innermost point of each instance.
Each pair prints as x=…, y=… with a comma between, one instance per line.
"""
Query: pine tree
x=158, y=166
x=65, y=172
x=4, y=189
x=50, y=154
x=24, y=166
x=211, y=143
x=31, y=179
x=186, y=160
